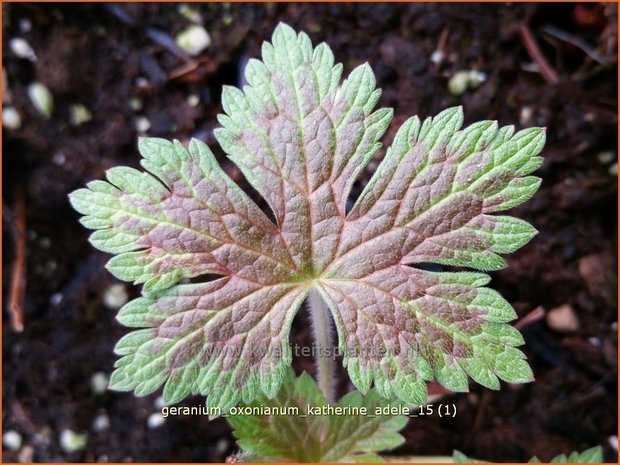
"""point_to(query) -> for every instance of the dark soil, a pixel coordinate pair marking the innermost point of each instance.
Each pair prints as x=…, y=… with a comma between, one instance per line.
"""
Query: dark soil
x=102, y=56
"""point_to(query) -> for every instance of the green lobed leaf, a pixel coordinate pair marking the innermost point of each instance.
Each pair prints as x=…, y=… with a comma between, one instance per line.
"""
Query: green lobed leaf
x=301, y=137
x=313, y=437
x=592, y=455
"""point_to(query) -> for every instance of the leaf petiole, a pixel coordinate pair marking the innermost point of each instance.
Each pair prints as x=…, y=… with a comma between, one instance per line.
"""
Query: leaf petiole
x=323, y=344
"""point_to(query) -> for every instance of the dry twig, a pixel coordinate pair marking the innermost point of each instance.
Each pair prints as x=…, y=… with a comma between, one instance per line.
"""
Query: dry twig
x=18, y=270
x=534, y=50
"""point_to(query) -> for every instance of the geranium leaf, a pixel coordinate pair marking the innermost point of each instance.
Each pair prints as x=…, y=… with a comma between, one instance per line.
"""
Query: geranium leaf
x=314, y=437
x=301, y=137
x=592, y=455
x=183, y=219
x=208, y=339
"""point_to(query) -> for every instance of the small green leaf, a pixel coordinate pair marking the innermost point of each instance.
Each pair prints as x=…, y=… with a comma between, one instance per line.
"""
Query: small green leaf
x=459, y=457
x=592, y=455
x=312, y=436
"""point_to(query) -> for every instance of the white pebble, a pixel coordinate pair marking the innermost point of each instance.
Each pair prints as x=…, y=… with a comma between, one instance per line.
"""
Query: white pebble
x=190, y=13
x=41, y=98
x=22, y=49
x=458, y=83
x=159, y=403
x=11, y=119
x=437, y=57
x=59, y=159
x=70, y=441
x=142, y=82
x=605, y=158
x=476, y=78
x=26, y=454
x=56, y=299
x=155, y=420
x=12, y=440
x=563, y=319
x=142, y=124
x=115, y=296
x=101, y=423
x=465, y=79
x=79, y=114
x=595, y=341
x=193, y=100
x=99, y=383
x=193, y=39
x=135, y=104
x=613, y=169
x=525, y=116
x=25, y=25
x=222, y=446
x=613, y=442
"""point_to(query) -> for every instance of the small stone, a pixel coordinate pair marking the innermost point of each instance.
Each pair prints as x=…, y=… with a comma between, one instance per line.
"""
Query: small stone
x=457, y=84
x=142, y=124
x=41, y=98
x=70, y=441
x=59, y=159
x=613, y=442
x=135, y=104
x=101, y=423
x=525, y=116
x=22, y=49
x=465, y=79
x=437, y=57
x=25, y=25
x=79, y=114
x=476, y=78
x=605, y=158
x=26, y=454
x=56, y=299
x=595, y=341
x=193, y=39
x=12, y=440
x=115, y=296
x=563, y=319
x=43, y=437
x=222, y=446
x=11, y=119
x=155, y=420
x=99, y=383
x=142, y=82
x=190, y=13
x=51, y=266
x=159, y=403
x=193, y=100
x=613, y=170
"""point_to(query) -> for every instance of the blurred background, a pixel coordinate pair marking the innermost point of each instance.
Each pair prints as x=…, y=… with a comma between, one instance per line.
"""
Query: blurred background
x=82, y=82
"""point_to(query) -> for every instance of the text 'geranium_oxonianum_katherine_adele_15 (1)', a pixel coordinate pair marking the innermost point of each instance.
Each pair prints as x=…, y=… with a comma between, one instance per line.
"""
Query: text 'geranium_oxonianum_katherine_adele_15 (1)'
x=301, y=136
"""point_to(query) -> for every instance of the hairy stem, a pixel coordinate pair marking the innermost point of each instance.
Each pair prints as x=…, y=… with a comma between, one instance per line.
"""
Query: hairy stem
x=322, y=328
